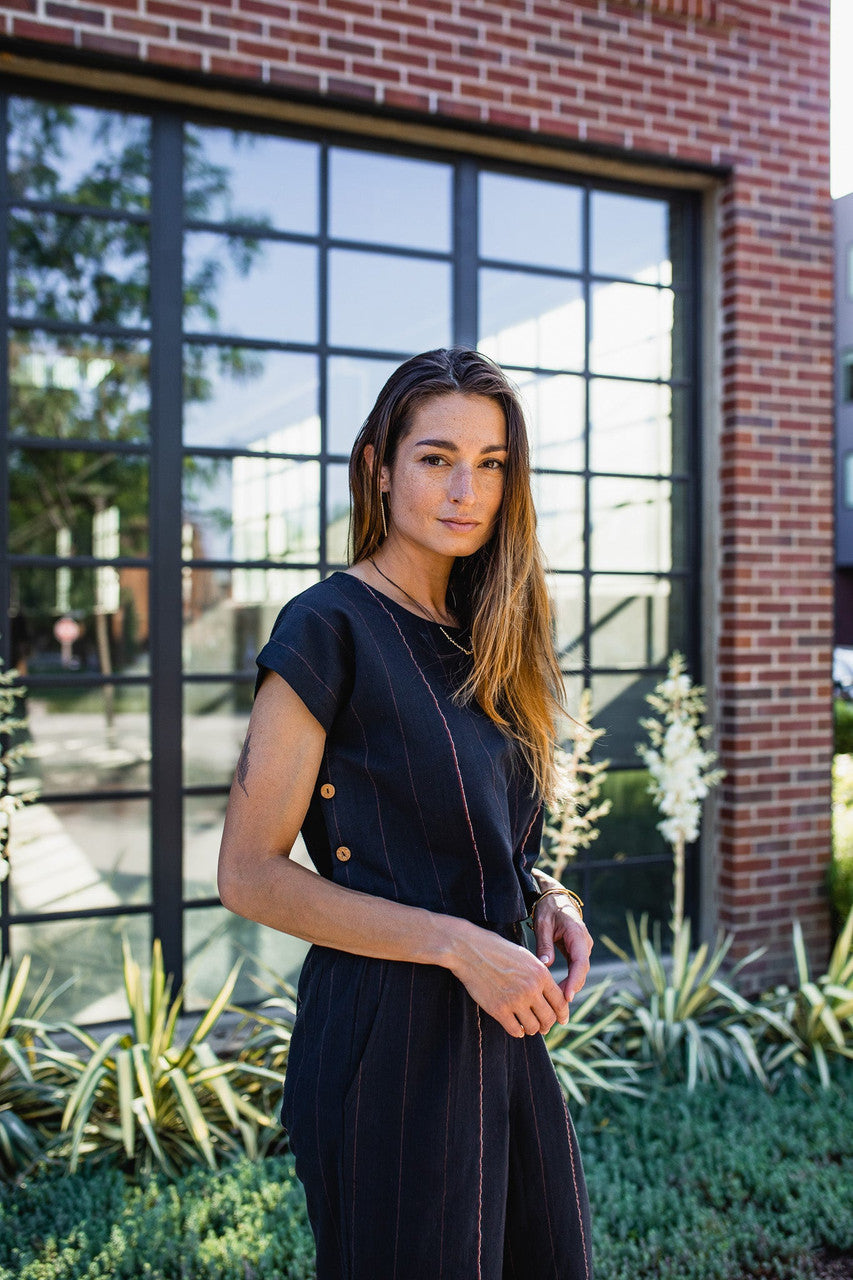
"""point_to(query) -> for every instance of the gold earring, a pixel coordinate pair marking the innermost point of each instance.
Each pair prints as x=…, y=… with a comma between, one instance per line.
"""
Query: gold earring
x=382, y=509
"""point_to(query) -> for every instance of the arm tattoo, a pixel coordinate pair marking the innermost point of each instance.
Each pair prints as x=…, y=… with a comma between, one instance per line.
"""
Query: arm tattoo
x=243, y=763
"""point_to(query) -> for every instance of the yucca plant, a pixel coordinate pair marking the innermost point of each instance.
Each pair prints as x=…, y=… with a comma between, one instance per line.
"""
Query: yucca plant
x=263, y=1037
x=818, y=1014
x=148, y=1097
x=31, y=1093
x=582, y=1058
x=680, y=1014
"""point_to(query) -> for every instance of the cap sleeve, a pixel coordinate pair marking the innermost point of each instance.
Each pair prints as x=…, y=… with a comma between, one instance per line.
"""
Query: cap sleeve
x=311, y=648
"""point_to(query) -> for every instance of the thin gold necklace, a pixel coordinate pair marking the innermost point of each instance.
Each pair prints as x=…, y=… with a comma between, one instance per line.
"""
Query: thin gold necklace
x=421, y=607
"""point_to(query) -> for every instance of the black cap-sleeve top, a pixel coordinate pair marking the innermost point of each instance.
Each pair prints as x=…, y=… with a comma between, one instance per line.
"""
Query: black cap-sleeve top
x=418, y=799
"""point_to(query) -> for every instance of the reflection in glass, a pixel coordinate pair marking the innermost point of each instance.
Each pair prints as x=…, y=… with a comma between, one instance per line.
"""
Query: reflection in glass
x=77, y=504
x=390, y=200
x=630, y=237
x=636, y=621
x=79, y=155
x=337, y=513
x=78, y=855
x=560, y=514
x=631, y=331
x=534, y=320
x=250, y=286
x=214, y=726
x=233, y=175
x=353, y=386
x=629, y=830
x=387, y=302
x=630, y=427
x=239, y=397
x=554, y=410
x=229, y=613
x=75, y=387
x=87, y=270
x=566, y=594
x=90, y=739
x=89, y=953
x=107, y=610
x=645, y=889
x=216, y=939
x=618, y=704
x=632, y=526
x=530, y=221
x=203, y=819
x=251, y=509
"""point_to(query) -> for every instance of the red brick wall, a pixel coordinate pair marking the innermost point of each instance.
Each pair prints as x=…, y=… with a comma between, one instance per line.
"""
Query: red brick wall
x=744, y=85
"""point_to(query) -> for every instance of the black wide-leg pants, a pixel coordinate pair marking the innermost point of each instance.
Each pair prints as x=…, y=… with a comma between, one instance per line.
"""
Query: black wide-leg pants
x=431, y=1144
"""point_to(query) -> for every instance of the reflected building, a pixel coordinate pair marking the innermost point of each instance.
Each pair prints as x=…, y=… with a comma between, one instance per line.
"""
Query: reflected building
x=202, y=305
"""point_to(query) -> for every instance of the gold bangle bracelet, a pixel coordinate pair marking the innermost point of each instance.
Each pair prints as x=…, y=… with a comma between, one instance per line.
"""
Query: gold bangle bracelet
x=569, y=893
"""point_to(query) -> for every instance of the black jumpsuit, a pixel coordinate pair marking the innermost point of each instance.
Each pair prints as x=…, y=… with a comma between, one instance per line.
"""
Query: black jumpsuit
x=431, y=1144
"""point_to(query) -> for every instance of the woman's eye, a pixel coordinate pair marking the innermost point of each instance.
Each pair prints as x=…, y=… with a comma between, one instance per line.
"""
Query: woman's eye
x=494, y=464
x=434, y=460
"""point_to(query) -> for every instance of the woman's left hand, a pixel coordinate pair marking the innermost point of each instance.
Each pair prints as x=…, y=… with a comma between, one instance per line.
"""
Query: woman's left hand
x=558, y=925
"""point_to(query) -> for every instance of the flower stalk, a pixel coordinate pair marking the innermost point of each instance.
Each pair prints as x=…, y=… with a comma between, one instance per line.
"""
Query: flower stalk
x=680, y=766
x=570, y=821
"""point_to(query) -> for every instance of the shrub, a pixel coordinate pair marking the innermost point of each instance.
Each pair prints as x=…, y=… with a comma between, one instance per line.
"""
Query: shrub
x=247, y=1222
x=719, y=1183
x=843, y=721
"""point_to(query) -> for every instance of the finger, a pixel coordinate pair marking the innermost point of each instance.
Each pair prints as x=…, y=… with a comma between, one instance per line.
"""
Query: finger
x=576, y=977
x=553, y=1009
x=544, y=930
x=529, y=1023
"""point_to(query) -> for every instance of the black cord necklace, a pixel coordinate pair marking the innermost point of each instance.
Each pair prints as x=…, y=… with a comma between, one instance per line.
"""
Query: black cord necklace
x=420, y=607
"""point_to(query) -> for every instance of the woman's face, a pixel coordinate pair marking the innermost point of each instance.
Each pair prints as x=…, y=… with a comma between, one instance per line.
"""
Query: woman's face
x=445, y=486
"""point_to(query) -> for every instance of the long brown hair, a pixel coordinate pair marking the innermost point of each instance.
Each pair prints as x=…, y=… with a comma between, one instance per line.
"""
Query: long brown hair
x=499, y=591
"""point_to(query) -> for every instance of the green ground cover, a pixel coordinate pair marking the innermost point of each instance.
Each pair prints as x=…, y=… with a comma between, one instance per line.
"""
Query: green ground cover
x=724, y=1183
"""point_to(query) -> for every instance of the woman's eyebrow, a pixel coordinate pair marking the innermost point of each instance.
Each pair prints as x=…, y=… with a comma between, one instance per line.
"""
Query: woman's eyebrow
x=453, y=448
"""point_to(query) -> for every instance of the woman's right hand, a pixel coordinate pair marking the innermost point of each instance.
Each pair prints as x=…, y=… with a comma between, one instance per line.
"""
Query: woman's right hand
x=506, y=980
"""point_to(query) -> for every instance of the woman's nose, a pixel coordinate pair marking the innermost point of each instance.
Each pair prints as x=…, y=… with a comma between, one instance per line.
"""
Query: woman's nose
x=462, y=484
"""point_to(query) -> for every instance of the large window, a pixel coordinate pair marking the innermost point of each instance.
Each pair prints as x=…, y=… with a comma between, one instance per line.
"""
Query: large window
x=198, y=318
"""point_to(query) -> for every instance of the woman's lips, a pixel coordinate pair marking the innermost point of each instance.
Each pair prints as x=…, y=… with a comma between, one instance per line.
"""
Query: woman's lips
x=461, y=526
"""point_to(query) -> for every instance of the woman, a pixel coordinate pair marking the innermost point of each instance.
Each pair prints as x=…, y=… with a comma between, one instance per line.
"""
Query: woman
x=404, y=720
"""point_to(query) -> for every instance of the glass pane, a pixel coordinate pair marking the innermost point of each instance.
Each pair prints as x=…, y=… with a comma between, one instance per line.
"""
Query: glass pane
x=251, y=509
x=86, y=739
x=630, y=237
x=631, y=331
x=235, y=176
x=560, y=510
x=77, y=504
x=630, y=829
x=389, y=200
x=80, y=855
x=337, y=513
x=614, y=891
x=87, y=620
x=630, y=427
x=530, y=221
x=73, y=387
x=203, y=819
x=239, y=397
x=632, y=526
x=566, y=593
x=216, y=939
x=89, y=952
x=390, y=303
x=554, y=405
x=215, y=718
x=636, y=621
x=78, y=154
x=531, y=320
x=618, y=704
x=353, y=386
x=229, y=614
x=88, y=270
x=249, y=286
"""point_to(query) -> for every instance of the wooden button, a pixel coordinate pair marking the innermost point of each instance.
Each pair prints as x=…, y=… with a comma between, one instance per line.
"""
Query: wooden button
x=343, y=854
x=327, y=791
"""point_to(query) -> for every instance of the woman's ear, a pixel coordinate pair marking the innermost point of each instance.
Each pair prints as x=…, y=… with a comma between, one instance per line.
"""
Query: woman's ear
x=369, y=456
